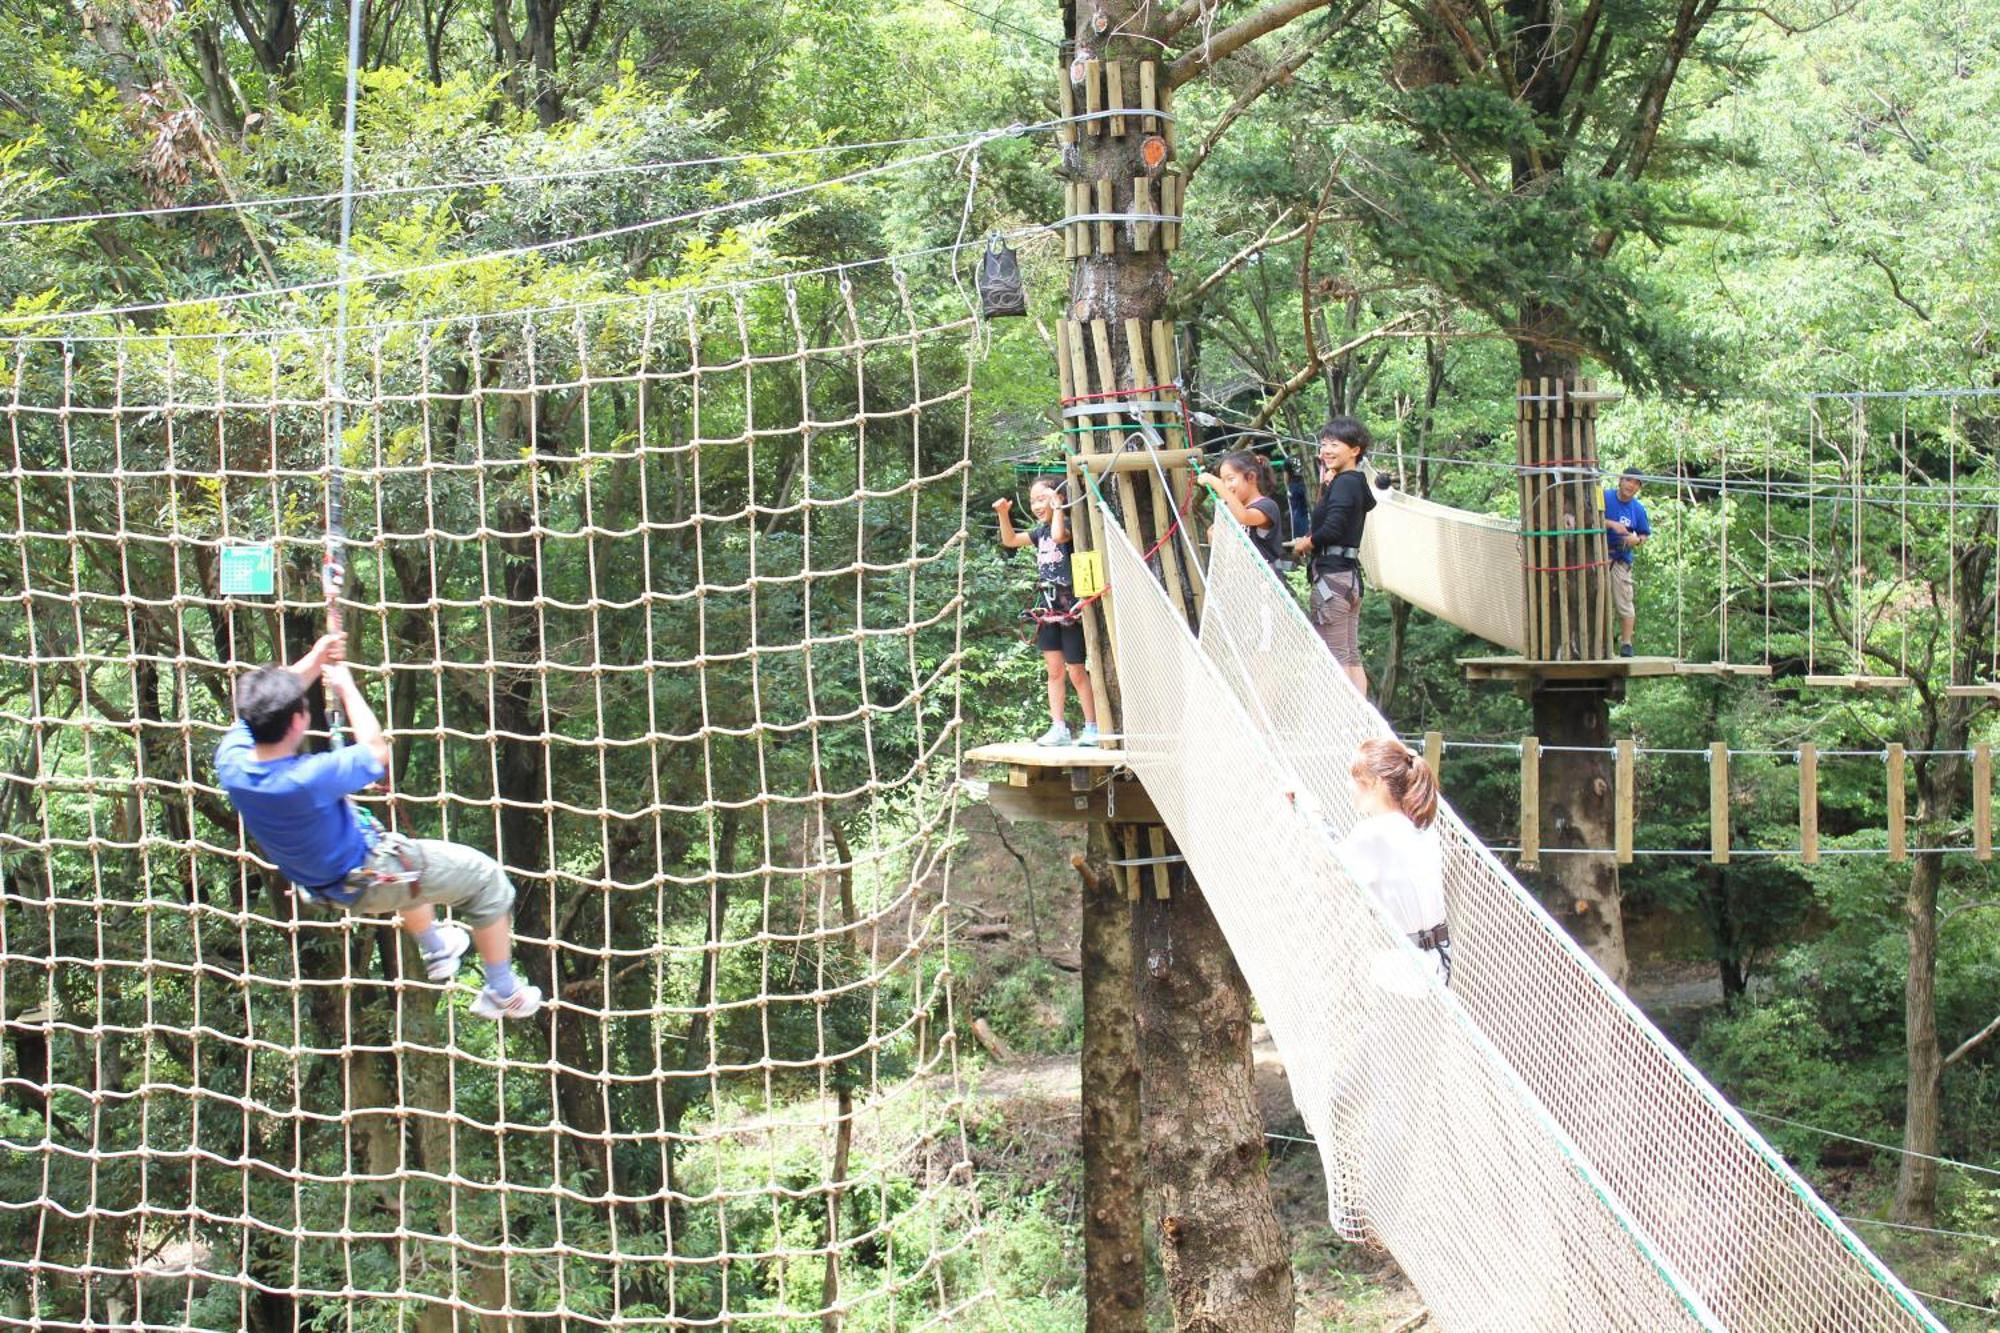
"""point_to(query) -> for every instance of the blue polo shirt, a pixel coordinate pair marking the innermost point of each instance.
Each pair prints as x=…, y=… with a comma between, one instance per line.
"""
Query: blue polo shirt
x=297, y=807
x=1629, y=512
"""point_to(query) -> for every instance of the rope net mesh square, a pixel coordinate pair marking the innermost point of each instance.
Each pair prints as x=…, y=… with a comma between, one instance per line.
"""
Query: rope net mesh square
x=1530, y=1111
x=659, y=601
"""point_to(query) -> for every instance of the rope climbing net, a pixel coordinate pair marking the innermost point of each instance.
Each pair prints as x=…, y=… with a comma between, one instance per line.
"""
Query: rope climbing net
x=660, y=601
x=1530, y=1149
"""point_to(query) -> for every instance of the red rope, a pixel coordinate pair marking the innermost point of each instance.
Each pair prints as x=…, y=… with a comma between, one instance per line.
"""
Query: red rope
x=1121, y=393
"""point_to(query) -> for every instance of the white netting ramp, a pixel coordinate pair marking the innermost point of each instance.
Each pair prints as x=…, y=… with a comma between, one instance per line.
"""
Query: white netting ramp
x=660, y=600
x=1719, y=1208
x=1462, y=567
x=1416, y=1116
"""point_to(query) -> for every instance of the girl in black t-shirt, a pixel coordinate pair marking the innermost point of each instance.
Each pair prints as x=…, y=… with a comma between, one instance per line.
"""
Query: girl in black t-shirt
x=1245, y=483
x=1057, y=614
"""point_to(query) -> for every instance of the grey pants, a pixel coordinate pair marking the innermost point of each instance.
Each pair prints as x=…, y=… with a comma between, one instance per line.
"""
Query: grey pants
x=446, y=875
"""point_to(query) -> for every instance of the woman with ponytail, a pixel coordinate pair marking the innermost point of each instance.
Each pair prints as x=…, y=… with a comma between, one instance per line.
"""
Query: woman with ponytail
x=1393, y=851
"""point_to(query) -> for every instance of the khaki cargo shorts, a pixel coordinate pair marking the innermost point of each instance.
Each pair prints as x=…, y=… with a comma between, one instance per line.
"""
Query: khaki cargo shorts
x=1621, y=590
x=401, y=873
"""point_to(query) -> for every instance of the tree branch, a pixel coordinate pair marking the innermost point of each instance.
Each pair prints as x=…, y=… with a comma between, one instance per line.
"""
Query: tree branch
x=1281, y=72
x=1311, y=368
x=1966, y=1046
x=1244, y=256
x=1895, y=287
x=1173, y=23
x=1237, y=36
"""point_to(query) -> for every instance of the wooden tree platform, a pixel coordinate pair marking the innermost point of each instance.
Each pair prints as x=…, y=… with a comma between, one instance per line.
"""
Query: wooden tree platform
x=1064, y=784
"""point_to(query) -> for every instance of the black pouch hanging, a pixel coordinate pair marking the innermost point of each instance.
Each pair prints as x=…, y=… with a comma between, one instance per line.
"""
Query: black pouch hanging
x=1001, y=291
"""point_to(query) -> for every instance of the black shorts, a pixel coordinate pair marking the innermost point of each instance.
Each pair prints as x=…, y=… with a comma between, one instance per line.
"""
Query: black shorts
x=1065, y=639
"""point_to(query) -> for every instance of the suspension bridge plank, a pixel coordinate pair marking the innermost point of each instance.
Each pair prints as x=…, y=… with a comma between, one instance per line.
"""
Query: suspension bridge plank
x=1531, y=801
x=1899, y=833
x=1982, y=802
x=1756, y=669
x=1528, y=668
x=1972, y=691
x=1859, y=682
x=1809, y=803
x=1718, y=802
x=1624, y=795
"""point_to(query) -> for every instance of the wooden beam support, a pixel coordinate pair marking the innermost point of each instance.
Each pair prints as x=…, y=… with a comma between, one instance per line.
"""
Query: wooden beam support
x=1114, y=74
x=1982, y=802
x=1899, y=832
x=1048, y=802
x=1434, y=756
x=1625, y=796
x=1809, y=803
x=1718, y=802
x=1531, y=802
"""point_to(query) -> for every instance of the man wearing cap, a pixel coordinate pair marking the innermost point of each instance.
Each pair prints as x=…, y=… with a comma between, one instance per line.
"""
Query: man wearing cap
x=1625, y=529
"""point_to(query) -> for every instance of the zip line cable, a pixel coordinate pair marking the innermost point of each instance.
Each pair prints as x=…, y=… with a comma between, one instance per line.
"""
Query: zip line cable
x=480, y=183
x=441, y=320
x=512, y=252
x=333, y=571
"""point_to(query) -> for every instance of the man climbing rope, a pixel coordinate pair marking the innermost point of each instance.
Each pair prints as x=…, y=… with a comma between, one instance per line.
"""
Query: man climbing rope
x=297, y=807
x=1334, y=544
x=1626, y=529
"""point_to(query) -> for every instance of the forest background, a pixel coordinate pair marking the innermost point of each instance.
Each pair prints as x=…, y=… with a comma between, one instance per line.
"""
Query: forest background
x=1816, y=216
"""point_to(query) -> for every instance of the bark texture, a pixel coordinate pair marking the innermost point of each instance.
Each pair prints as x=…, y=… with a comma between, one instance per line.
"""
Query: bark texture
x=1577, y=810
x=1114, y=1222
x=1224, y=1257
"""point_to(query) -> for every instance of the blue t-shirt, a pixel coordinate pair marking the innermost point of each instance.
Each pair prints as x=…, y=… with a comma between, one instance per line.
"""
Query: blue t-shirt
x=297, y=807
x=1629, y=512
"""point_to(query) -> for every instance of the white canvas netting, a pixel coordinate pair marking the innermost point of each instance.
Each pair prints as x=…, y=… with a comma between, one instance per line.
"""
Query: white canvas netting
x=1532, y=1151
x=660, y=601
x=1462, y=567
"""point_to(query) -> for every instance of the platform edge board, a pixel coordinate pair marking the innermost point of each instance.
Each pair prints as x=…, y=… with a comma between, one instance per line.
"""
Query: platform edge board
x=1025, y=754
x=1523, y=668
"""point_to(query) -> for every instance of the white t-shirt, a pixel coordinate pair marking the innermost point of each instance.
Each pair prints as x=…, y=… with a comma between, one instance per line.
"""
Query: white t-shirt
x=1402, y=866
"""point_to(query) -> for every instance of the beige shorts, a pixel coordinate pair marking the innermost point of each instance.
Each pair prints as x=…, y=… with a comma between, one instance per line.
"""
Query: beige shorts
x=447, y=875
x=1621, y=590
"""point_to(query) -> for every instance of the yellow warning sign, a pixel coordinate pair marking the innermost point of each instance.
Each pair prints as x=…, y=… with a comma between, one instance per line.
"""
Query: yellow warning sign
x=1086, y=572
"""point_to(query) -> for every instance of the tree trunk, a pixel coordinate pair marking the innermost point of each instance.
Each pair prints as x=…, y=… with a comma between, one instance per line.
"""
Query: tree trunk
x=1114, y=1223
x=1576, y=807
x=1916, y=1176
x=1225, y=1260
x=1226, y=1263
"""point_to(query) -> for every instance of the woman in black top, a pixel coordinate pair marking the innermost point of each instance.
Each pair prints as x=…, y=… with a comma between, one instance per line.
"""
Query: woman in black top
x=1334, y=544
x=1244, y=481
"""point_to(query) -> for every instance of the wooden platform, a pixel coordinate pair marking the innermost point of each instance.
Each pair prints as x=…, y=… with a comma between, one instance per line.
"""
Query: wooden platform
x=1604, y=668
x=1989, y=691
x=1858, y=682
x=1031, y=758
x=1064, y=784
x=1758, y=669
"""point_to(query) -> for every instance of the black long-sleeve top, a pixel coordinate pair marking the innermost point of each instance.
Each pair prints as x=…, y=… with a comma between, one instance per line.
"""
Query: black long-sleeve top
x=1338, y=519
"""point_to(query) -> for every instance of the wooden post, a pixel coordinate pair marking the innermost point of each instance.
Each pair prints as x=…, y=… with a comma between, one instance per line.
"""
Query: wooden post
x=1982, y=802
x=1899, y=834
x=1809, y=803
x=1434, y=756
x=1531, y=802
x=1718, y=802
x=1626, y=797
x=1114, y=73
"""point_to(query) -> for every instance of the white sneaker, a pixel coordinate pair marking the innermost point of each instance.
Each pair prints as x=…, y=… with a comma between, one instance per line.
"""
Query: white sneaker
x=1057, y=734
x=523, y=1003
x=443, y=965
x=1087, y=738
